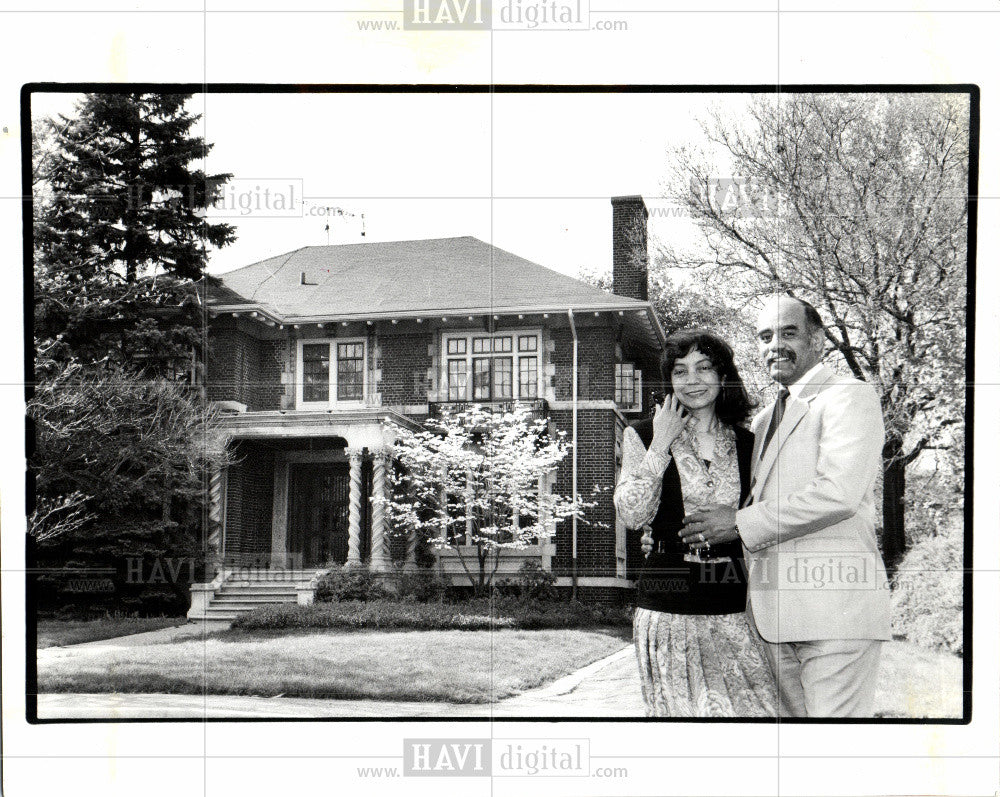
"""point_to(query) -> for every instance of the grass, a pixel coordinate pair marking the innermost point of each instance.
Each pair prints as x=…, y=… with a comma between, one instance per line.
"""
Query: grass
x=453, y=666
x=918, y=682
x=54, y=633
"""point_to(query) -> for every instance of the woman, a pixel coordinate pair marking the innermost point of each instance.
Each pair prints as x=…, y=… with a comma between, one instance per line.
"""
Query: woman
x=696, y=654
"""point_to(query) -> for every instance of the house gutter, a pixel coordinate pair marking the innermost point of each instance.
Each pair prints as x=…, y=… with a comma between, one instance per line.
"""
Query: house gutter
x=576, y=397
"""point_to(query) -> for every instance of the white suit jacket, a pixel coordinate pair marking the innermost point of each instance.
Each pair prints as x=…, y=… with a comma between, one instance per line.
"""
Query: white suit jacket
x=808, y=526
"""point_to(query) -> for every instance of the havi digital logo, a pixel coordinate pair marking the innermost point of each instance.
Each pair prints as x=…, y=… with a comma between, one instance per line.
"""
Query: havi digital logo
x=442, y=757
x=447, y=15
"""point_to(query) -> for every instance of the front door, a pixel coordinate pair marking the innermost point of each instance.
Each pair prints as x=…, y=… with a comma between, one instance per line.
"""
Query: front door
x=318, y=510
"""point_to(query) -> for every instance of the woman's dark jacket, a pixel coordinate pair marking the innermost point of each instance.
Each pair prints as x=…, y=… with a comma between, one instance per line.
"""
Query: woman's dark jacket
x=669, y=584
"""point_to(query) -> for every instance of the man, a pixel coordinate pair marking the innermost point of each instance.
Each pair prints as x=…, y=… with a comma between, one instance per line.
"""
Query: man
x=817, y=589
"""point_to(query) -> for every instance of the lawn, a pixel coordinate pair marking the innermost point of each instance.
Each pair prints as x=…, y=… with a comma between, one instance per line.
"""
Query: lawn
x=443, y=665
x=918, y=682
x=455, y=666
x=53, y=633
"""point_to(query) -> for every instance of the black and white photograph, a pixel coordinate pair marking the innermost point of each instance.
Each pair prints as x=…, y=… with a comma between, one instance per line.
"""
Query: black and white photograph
x=500, y=428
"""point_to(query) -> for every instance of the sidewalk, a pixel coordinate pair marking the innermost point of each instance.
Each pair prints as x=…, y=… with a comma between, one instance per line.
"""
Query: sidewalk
x=606, y=688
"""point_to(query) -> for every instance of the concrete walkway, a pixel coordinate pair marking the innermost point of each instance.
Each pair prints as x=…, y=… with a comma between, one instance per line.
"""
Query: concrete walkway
x=160, y=635
x=606, y=688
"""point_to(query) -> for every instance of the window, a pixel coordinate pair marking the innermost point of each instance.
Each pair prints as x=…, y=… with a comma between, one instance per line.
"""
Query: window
x=628, y=386
x=528, y=378
x=503, y=367
x=350, y=371
x=465, y=519
x=492, y=378
x=330, y=372
x=316, y=372
x=458, y=377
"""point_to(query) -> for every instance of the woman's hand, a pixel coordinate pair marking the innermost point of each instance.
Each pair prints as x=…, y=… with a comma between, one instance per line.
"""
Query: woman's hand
x=668, y=422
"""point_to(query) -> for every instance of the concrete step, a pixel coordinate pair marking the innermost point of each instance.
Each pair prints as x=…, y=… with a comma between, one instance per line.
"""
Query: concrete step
x=275, y=575
x=260, y=600
x=257, y=589
x=243, y=607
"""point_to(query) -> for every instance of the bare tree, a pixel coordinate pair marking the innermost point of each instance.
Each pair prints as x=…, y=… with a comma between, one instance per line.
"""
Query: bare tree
x=859, y=204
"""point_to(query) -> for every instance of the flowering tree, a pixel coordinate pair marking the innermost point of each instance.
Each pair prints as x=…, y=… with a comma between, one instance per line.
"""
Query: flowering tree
x=472, y=478
x=858, y=203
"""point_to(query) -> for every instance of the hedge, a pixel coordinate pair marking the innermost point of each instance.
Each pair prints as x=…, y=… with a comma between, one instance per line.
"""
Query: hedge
x=469, y=616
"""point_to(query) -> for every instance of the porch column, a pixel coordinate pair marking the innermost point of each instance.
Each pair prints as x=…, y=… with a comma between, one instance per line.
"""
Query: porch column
x=380, y=542
x=216, y=542
x=354, y=512
x=279, y=516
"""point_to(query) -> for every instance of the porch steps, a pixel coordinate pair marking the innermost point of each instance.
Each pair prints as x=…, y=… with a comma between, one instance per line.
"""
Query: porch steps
x=239, y=593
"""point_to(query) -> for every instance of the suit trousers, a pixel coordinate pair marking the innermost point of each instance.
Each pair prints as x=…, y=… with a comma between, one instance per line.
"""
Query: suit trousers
x=823, y=677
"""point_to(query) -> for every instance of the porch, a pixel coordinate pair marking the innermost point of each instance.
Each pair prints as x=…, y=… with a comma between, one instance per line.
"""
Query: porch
x=297, y=503
x=299, y=493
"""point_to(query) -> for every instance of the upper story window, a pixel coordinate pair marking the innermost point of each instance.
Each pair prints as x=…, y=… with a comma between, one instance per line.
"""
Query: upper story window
x=330, y=372
x=497, y=367
x=628, y=386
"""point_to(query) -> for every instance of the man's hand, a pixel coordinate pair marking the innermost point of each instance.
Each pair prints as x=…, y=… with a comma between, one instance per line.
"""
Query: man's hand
x=711, y=524
x=647, y=540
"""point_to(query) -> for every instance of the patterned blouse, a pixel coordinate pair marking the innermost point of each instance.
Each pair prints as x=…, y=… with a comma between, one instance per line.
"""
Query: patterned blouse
x=715, y=480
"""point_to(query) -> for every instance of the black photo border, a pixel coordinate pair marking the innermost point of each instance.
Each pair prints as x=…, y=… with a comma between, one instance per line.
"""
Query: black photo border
x=27, y=90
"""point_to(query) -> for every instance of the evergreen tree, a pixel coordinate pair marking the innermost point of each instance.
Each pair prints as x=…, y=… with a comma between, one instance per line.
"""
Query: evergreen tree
x=120, y=450
x=121, y=238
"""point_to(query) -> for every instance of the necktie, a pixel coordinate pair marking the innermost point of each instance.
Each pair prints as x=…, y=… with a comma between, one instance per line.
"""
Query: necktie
x=779, y=410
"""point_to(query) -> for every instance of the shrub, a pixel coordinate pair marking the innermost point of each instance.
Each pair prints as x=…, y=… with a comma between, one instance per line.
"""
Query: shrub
x=422, y=585
x=471, y=616
x=927, y=591
x=368, y=615
x=532, y=583
x=353, y=584
x=360, y=584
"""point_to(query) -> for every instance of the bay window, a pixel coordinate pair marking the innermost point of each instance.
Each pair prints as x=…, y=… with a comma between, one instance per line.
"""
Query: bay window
x=502, y=367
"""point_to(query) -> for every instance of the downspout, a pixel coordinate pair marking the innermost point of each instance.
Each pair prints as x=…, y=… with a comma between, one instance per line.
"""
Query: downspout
x=576, y=352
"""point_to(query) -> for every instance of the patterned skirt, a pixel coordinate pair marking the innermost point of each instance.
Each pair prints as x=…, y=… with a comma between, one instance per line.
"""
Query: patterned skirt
x=702, y=665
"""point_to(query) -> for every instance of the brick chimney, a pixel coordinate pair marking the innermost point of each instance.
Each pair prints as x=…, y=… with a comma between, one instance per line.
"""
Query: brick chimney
x=629, y=259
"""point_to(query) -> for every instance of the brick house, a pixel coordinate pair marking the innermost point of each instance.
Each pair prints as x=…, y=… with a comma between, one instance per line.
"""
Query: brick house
x=312, y=351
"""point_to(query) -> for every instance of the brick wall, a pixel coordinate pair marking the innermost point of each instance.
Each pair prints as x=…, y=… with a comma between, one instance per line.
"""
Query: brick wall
x=266, y=393
x=243, y=368
x=595, y=362
x=607, y=596
x=249, y=498
x=404, y=362
x=595, y=465
x=232, y=356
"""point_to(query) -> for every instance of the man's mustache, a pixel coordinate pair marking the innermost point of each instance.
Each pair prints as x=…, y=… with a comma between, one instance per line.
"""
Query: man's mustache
x=786, y=353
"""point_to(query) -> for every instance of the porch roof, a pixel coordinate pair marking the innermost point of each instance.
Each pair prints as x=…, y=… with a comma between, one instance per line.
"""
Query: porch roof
x=360, y=427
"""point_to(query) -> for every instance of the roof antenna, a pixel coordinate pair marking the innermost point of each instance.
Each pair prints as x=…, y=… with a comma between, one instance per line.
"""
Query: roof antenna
x=362, y=225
